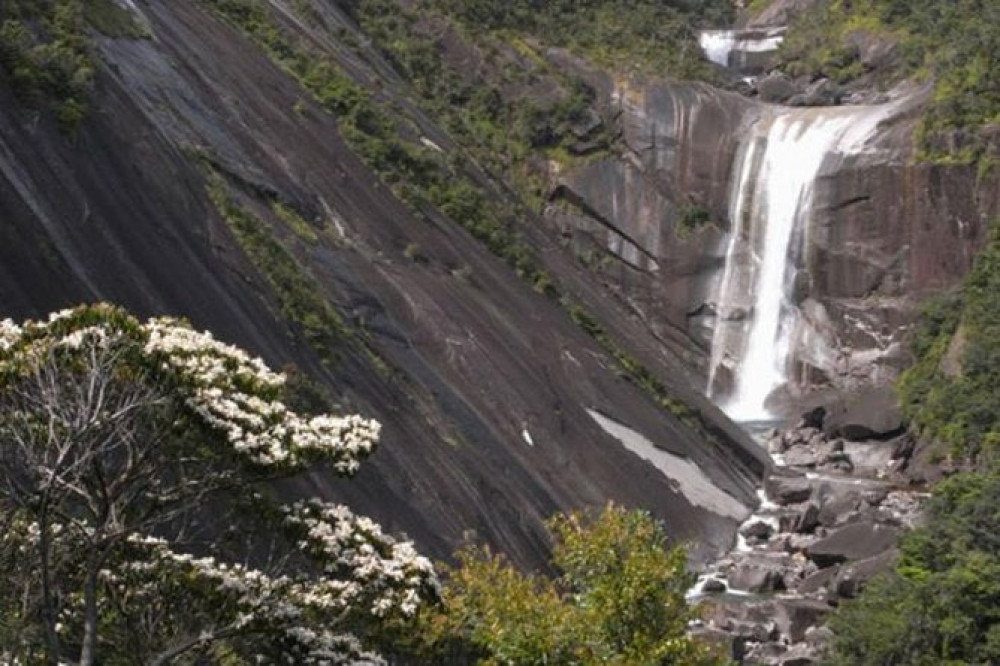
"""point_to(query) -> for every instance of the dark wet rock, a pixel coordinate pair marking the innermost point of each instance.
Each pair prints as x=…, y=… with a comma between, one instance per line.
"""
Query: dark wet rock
x=853, y=542
x=808, y=520
x=757, y=529
x=785, y=487
x=714, y=586
x=814, y=418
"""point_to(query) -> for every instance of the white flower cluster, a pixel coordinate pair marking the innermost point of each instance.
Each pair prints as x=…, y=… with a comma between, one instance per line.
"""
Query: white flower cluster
x=371, y=568
x=225, y=385
x=204, y=357
x=96, y=336
x=273, y=607
x=9, y=334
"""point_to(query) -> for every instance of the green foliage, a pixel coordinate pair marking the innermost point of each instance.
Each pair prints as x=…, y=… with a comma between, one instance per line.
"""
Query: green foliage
x=44, y=52
x=112, y=20
x=690, y=219
x=942, y=606
x=301, y=303
x=618, y=599
x=961, y=408
x=955, y=42
x=656, y=36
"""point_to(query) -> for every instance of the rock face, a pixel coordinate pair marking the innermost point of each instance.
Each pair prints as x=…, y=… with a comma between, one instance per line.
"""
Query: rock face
x=882, y=231
x=482, y=384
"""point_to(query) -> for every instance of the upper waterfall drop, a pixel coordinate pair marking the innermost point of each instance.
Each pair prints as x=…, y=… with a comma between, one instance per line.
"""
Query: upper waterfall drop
x=719, y=45
x=771, y=207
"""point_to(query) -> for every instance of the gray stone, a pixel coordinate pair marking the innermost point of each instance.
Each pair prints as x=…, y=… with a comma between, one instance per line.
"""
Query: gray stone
x=870, y=413
x=808, y=520
x=776, y=88
x=758, y=575
x=785, y=488
x=816, y=582
x=853, y=576
x=857, y=541
x=799, y=615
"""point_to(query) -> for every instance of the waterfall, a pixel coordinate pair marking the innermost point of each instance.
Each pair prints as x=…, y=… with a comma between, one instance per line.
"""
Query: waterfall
x=718, y=44
x=771, y=207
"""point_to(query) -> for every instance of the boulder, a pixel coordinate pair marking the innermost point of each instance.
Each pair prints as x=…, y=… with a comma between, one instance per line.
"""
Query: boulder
x=714, y=586
x=808, y=520
x=776, y=88
x=824, y=579
x=786, y=487
x=758, y=575
x=813, y=418
x=857, y=541
x=853, y=576
x=797, y=616
x=757, y=529
x=800, y=655
x=866, y=414
x=801, y=456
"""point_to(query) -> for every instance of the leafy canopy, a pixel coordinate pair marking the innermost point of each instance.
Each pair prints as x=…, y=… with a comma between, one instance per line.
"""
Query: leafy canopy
x=137, y=527
x=618, y=598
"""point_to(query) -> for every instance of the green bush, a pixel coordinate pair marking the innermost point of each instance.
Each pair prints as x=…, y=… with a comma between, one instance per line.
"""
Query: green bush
x=954, y=42
x=962, y=410
x=942, y=605
x=618, y=598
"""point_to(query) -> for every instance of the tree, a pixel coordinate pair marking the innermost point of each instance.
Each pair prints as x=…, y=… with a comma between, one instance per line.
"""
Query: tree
x=618, y=599
x=139, y=528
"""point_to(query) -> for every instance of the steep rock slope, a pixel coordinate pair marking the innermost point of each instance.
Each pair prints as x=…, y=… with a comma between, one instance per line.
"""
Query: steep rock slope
x=205, y=182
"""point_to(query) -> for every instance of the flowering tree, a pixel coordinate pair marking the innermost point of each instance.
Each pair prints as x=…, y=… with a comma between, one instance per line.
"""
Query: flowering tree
x=137, y=527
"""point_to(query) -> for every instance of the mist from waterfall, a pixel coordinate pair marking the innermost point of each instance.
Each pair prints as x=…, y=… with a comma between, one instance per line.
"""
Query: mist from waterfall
x=771, y=207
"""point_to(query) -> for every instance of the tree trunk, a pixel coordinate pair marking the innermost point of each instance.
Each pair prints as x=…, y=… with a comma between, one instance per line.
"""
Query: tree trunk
x=44, y=545
x=89, y=649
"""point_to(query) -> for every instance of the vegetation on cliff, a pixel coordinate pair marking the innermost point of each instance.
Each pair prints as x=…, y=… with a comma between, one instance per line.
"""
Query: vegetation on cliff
x=942, y=603
x=655, y=36
x=45, y=50
x=949, y=394
x=952, y=43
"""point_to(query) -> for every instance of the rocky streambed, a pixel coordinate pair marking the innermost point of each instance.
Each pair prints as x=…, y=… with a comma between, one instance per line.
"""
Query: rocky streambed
x=829, y=520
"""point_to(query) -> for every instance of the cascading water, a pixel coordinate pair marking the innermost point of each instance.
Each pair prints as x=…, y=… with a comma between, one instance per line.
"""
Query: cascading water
x=771, y=205
x=718, y=44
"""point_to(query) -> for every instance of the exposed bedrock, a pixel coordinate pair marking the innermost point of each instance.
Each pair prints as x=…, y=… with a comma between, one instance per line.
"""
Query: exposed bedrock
x=483, y=384
x=881, y=233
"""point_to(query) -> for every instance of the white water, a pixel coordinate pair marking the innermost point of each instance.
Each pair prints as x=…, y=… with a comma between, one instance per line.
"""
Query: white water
x=772, y=205
x=718, y=44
